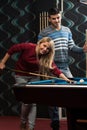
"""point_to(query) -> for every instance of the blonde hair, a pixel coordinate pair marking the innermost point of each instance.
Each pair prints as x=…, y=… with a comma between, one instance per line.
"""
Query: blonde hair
x=45, y=61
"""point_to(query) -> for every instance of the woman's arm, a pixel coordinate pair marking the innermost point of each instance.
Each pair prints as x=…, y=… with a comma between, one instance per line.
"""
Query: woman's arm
x=3, y=61
x=58, y=73
x=65, y=78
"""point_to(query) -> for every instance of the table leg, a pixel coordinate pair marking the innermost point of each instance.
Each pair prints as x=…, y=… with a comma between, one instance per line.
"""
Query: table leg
x=71, y=119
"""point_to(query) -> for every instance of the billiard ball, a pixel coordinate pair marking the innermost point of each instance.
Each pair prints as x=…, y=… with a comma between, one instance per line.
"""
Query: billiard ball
x=81, y=80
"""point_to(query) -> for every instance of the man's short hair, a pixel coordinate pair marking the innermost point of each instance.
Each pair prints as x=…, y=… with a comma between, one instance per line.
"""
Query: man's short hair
x=53, y=11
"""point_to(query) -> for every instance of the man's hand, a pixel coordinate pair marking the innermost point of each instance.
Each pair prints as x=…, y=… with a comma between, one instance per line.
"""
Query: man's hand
x=85, y=47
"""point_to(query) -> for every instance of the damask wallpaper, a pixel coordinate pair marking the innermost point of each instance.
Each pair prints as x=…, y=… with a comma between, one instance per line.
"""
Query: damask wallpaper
x=75, y=17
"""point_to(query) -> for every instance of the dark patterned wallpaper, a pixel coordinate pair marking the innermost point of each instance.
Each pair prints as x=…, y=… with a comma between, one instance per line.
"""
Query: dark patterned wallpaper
x=75, y=17
x=16, y=26
x=19, y=22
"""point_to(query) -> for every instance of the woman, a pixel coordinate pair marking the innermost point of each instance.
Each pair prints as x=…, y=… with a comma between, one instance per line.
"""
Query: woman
x=36, y=58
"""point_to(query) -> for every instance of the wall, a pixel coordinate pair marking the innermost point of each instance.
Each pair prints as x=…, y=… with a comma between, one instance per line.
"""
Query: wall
x=75, y=17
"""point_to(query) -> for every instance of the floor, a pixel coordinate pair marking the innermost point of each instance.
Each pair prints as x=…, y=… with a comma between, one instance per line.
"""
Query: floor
x=12, y=123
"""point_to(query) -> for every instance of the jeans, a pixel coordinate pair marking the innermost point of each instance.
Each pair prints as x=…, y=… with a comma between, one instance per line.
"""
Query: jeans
x=66, y=71
x=64, y=68
x=28, y=115
x=28, y=111
x=53, y=113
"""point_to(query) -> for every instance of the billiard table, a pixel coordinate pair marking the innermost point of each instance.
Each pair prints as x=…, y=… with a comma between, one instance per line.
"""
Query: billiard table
x=57, y=92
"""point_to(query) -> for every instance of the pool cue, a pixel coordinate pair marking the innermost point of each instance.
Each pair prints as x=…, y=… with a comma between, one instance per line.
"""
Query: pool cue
x=86, y=55
x=34, y=74
x=40, y=22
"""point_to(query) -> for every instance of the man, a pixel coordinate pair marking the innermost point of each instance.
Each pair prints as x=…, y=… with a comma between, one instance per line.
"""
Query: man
x=62, y=38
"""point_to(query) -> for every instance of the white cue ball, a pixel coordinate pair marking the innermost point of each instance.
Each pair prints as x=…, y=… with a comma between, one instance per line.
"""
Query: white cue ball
x=81, y=80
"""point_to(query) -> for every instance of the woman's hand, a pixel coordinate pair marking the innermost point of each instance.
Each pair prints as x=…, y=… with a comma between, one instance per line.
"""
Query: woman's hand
x=71, y=81
x=3, y=61
x=2, y=65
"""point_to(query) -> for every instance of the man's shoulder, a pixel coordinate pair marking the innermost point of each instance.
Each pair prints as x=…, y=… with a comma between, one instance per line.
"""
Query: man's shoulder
x=65, y=28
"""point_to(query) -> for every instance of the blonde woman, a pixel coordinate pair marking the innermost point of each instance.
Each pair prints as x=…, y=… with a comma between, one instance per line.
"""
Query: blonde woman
x=36, y=58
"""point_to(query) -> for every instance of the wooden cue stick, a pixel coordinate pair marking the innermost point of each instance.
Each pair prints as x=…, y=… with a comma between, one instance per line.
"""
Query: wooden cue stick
x=86, y=54
x=40, y=22
x=46, y=76
x=34, y=74
x=45, y=19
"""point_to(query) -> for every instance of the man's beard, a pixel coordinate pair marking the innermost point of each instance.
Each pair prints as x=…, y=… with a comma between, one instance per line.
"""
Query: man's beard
x=56, y=25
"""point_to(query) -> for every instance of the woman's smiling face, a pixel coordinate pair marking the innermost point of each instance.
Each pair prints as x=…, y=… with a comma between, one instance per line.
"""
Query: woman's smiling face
x=44, y=48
